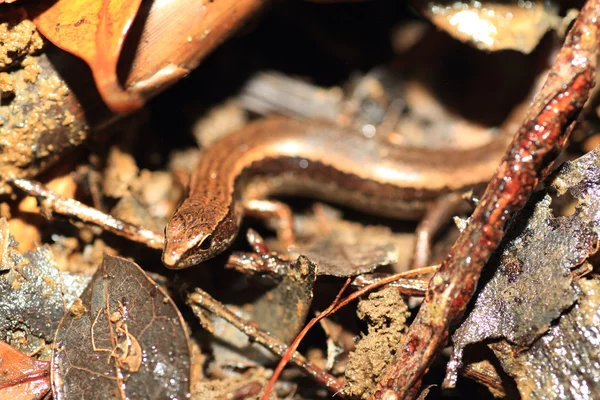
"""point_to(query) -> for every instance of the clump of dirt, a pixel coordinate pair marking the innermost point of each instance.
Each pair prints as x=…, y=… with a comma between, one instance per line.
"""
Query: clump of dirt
x=18, y=37
x=385, y=312
x=39, y=116
x=7, y=85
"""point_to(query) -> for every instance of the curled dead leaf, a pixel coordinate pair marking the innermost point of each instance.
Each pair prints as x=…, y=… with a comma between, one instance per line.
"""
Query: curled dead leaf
x=93, y=31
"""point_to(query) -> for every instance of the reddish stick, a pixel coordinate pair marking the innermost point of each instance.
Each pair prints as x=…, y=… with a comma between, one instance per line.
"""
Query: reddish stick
x=527, y=160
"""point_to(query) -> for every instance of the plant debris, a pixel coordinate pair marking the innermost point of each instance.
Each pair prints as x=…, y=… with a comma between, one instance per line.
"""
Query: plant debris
x=280, y=310
x=564, y=362
x=342, y=248
x=126, y=339
x=532, y=284
x=95, y=32
x=35, y=295
x=495, y=26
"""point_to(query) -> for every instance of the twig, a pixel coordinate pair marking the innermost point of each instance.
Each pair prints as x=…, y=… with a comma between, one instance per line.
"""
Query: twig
x=71, y=208
x=334, y=307
x=291, y=350
x=406, y=286
x=535, y=146
x=200, y=299
x=385, y=281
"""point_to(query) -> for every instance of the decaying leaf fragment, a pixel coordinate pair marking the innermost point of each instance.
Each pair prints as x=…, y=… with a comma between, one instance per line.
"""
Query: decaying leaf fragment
x=280, y=310
x=283, y=309
x=495, y=25
x=532, y=283
x=565, y=362
x=127, y=341
x=343, y=248
x=34, y=295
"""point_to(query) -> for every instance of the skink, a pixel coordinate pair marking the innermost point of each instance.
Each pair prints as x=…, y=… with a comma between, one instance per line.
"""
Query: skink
x=280, y=155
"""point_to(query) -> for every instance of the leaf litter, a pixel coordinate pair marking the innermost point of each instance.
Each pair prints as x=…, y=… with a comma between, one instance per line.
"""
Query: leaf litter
x=280, y=309
x=126, y=339
x=372, y=251
x=494, y=26
x=35, y=295
x=344, y=248
x=532, y=282
x=563, y=363
x=95, y=32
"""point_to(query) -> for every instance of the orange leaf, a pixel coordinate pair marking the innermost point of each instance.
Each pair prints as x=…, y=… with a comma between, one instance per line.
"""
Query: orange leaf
x=22, y=377
x=94, y=30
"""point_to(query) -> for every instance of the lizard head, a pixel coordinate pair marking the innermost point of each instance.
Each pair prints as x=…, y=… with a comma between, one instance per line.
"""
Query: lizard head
x=196, y=233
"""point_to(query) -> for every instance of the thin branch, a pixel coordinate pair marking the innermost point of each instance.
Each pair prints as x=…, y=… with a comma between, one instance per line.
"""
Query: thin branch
x=334, y=307
x=292, y=349
x=51, y=201
x=200, y=299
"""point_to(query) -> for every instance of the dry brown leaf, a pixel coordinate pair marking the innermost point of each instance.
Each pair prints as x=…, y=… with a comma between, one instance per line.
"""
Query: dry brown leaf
x=22, y=377
x=94, y=31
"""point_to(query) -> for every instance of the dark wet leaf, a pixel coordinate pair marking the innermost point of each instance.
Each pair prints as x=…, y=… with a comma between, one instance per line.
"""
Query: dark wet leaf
x=344, y=248
x=515, y=25
x=283, y=309
x=280, y=310
x=126, y=339
x=22, y=377
x=34, y=295
x=532, y=282
x=565, y=362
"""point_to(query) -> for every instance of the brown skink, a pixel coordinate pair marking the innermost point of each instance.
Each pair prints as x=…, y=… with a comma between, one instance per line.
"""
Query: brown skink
x=318, y=159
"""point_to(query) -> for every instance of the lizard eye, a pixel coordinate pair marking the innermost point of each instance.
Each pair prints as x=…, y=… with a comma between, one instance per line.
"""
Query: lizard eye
x=206, y=244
